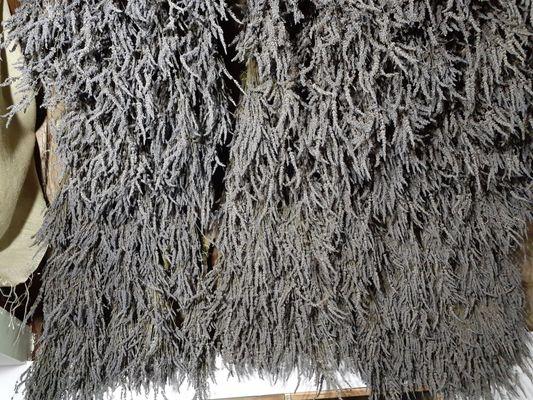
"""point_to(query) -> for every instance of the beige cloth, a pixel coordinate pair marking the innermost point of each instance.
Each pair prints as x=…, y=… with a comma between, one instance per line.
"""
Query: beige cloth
x=22, y=203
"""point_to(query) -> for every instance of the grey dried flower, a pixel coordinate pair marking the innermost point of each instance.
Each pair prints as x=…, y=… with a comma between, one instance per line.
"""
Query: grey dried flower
x=141, y=84
x=377, y=190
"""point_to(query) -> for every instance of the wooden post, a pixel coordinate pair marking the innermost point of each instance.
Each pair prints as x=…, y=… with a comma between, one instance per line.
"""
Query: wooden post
x=13, y=5
x=49, y=162
x=527, y=277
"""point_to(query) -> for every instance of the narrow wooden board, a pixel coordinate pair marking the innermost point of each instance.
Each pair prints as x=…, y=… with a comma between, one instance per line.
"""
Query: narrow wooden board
x=265, y=397
x=49, y=163
x=13, y=5
x=361, y=392
x=527, y=277
x=329, y=394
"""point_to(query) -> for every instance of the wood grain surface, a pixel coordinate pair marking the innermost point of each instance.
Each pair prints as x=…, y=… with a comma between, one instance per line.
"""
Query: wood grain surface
x=50, y=167
x=527, y=277
x=13, y=4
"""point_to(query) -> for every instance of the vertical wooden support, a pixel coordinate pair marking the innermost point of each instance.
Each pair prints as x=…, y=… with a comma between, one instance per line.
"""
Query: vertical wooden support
x=13, y=4
x=527, y=277
x=49, y=162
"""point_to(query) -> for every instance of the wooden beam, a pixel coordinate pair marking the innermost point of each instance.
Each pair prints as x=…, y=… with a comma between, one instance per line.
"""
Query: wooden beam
x=50, y=166
x=13, y=5
x=361, y=392
x=265, y=397
x=329, y=394
x=527, y=277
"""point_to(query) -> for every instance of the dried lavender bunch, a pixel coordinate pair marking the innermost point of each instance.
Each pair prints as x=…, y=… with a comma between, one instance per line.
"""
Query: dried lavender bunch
x=141, y=84
x=378, y=187
x=279, y=303
x=432, y=104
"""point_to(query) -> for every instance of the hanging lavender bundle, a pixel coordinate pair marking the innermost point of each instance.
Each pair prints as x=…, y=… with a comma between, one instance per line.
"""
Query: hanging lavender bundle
x=377, y=190
x=280, y=302
x=431, y=102
x=144, y=105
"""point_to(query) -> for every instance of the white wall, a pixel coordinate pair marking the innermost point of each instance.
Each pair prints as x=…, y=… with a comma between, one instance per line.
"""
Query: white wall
x=16, y=340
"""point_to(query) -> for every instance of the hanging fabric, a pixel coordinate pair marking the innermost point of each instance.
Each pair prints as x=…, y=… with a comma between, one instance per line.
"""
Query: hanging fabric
x=22, y=203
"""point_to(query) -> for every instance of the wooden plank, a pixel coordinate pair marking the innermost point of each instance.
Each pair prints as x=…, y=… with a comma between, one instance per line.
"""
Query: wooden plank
x=362, y=392
x=264, y=397
x=326, y=394
x=13, y=5
x=329, y=394
x=527, y=277
x=49, y=163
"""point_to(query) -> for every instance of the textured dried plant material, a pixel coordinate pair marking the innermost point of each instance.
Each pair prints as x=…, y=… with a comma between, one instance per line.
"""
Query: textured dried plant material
x=379, y=185
x=432, y=103
x=279, y=301
x=407, y=125
x=141, y=83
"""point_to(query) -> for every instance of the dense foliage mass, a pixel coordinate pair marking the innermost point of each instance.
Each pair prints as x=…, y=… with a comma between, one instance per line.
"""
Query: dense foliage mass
x=143, y=107
x=377, y=190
